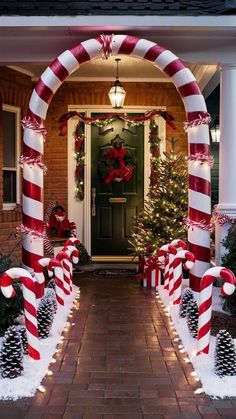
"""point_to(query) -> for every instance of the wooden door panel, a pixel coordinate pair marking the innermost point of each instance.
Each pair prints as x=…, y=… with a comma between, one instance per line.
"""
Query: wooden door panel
x=112, y=225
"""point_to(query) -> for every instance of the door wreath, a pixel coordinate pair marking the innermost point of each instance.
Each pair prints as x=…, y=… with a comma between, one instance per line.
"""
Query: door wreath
x=117, y=164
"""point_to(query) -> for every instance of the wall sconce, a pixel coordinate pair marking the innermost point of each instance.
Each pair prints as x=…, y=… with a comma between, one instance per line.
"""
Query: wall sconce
x=117, y=92
x=215, y=132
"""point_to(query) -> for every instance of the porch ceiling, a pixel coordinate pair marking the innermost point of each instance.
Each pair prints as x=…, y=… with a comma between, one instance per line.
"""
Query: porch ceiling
x=202, y=48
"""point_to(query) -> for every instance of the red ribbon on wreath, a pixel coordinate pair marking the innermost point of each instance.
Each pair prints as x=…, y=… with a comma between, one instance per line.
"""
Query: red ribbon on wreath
x=124, y=171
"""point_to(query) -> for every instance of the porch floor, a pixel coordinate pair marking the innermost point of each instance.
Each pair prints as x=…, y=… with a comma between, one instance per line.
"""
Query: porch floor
x=118, y=361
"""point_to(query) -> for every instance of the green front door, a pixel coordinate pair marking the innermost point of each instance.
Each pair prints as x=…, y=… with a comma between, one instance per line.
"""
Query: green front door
x=115, y=203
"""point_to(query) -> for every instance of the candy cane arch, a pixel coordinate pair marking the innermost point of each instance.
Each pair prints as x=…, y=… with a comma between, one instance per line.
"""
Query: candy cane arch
x=39, y=276
x=205, y=304
x=56, y=265
x=178, y=272
x=169, y=251
x=29, y=305
x=196, y=125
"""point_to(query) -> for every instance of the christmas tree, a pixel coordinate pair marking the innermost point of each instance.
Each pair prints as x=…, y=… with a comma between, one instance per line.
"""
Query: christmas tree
x=229, y=261
x=186, y=298
x=45, y=316
x=192, y=318
x=166, y=205
x=11, y=357
x=225, y=354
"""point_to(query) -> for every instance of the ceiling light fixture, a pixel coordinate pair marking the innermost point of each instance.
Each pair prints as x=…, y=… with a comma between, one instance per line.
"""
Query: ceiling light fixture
x=117, y=92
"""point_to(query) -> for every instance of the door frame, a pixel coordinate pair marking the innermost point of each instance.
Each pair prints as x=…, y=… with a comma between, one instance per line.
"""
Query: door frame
x=80, y=212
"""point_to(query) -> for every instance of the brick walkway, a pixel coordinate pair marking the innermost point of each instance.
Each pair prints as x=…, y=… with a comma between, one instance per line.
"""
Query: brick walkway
x=119, y=360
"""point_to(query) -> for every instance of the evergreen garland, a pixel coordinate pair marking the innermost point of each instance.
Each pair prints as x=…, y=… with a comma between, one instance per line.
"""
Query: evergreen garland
x=23, y=335
x=225, y=354
x=192, y=318
x=10, y=308
x=45, y=317
x=11, y=356
x=229, y=261
x=185, y=299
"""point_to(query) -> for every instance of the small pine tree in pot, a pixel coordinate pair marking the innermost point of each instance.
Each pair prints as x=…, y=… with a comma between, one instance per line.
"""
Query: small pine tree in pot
x=229, y=261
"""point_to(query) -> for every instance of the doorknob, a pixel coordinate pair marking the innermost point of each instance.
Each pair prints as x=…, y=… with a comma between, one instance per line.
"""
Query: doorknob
x=93, y=202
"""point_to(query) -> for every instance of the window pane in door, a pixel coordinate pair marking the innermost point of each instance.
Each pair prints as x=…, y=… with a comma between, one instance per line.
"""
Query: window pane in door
x=9, y=186
x=9, y=135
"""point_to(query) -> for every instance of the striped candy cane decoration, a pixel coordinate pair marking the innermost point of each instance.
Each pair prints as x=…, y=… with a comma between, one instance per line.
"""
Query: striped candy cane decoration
x=30, y=310
x=74, y=258
x=56, y=265
x=179, y=245
x=170, y=251
x=178, y=274
x=205, y=304
x=39, y=276
x=198, y=135
x=72, y=241
x=66, y=263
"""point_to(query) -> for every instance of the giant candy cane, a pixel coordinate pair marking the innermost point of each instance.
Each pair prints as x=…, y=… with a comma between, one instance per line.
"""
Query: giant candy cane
x=29, y=304
x=205, y=304
x=178, y=276
x=198, y=136
x=74, y=257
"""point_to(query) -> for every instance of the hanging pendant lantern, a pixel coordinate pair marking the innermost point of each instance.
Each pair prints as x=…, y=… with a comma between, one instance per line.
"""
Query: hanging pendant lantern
x=117, y=92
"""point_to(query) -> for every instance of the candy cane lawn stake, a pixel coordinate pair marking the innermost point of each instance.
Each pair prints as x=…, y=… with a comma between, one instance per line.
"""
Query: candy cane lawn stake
x=73, y=252
x=72, y=241
x=66, y=263
x=205, y=305
x=178, y=275
x=179, y=245
x=29, y=304
x=169, y=251
x=39, y=276
x=56, y=265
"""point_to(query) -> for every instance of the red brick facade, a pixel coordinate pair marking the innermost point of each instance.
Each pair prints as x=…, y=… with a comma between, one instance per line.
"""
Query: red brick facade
x=15, y=89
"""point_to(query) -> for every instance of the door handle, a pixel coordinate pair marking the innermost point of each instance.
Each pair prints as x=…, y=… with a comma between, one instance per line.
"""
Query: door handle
x=93, y=202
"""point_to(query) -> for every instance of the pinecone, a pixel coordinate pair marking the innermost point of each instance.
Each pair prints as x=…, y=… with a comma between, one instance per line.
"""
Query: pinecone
x=51, y=284
x=192, y=318
x=11, y=356
x=45, y=317
x=51, y=295
x=225, y=354
x=24, y=340
x=186, y=298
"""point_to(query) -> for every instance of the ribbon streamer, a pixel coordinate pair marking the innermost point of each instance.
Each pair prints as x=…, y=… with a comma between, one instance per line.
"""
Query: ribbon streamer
x=201, y=158
x=34, y=161
x=25, y=230
x=34, y=125
x=106, y=45
x=200, y=224
x=199, y=121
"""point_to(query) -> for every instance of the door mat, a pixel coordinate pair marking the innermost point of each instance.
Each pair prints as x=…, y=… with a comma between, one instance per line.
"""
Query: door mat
x=114, y=272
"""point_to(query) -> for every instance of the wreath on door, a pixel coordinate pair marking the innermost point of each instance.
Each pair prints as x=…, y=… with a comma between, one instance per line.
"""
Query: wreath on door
x=117, y=164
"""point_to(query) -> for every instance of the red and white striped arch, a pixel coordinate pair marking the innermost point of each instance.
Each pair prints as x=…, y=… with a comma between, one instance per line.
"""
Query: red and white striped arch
x=198, y=137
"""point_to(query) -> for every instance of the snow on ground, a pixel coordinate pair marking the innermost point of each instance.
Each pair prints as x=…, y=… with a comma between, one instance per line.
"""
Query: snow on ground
x=34, y=371
x=203, y=364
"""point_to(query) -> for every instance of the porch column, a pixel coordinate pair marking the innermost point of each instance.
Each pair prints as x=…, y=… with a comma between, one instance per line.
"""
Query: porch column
x=227, y=157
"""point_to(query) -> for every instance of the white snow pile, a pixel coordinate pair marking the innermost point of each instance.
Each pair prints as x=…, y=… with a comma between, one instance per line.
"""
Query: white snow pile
x=203, y=364
x=34, y=371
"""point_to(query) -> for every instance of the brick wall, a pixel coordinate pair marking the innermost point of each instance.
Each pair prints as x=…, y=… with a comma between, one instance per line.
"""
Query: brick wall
x=16, y=88
x=74, y=93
